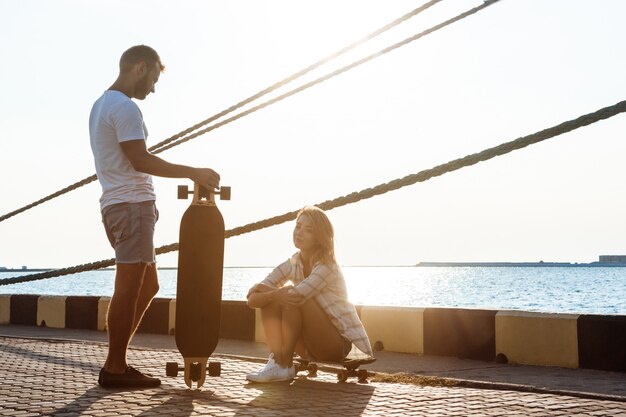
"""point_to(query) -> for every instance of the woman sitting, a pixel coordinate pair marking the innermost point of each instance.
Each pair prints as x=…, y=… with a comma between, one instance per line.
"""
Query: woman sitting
x=311, y=316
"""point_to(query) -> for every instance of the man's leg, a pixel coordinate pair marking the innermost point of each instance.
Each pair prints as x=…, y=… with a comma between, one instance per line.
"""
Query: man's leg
x=147, y=292
x=121, y=321
x=130, y=229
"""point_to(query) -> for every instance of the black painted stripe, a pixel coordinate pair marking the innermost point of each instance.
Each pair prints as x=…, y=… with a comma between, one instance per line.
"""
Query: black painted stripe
x=157, y=317
x=81, y=312
x=237, y=321
x=602, y=342
x=24, y=309
x=461, y=333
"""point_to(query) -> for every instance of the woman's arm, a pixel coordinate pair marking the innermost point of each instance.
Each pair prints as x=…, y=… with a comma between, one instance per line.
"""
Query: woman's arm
x=320, y=277
x=261, y=295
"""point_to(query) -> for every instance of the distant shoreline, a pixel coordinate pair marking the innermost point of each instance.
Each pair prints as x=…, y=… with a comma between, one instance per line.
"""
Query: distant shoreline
x=521, y=264
x=113, y=269
x=418, y=265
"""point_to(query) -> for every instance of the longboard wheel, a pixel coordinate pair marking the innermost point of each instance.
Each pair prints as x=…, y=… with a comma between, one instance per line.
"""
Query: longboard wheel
x=183, y=192
x=362, y=375
x=171, y=369
x=224, y=193
x=194, y=372
x=215, y=368
x=342, y=376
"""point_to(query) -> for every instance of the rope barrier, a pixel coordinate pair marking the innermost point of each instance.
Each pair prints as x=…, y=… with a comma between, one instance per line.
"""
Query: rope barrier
x=354, y=197
x=300, y=73
x=50, y=197
x=331, y=74
x=159, y=147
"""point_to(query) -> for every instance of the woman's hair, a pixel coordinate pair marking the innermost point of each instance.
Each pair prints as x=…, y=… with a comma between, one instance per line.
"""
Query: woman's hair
x=324, y=232
x=137, y=54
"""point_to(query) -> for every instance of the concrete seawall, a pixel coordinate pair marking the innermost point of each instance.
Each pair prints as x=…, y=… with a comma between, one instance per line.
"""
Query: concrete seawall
x=564, y=340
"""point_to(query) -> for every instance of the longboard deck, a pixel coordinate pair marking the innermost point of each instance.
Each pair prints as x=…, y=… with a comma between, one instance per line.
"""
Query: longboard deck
x=199, y=286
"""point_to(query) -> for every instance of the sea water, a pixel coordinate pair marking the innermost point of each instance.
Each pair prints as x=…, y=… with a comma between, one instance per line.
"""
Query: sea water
x=584, y=290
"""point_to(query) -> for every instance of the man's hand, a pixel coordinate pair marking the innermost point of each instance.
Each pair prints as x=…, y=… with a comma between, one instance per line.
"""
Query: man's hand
x=206, y=177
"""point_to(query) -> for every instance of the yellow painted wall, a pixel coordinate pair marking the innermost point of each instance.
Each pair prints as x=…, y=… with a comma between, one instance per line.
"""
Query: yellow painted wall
x=381, y=324
x=538, y=338
x=400, y=329
x=259, y=333
x=5, y=309
x=172, y=319
x=51, y=309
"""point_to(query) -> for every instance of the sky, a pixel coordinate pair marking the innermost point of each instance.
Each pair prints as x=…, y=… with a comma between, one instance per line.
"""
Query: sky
x=512, y=69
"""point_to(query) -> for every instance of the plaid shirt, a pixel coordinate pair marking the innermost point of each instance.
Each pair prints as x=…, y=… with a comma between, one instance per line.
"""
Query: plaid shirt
x=327, y=286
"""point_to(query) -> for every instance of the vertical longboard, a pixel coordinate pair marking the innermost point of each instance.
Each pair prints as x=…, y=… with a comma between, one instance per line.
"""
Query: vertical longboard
x=199, y=284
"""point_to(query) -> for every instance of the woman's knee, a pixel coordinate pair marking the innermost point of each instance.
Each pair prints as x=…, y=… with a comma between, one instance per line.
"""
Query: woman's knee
x=291, y=314
x=271, y=310
x=289, y=310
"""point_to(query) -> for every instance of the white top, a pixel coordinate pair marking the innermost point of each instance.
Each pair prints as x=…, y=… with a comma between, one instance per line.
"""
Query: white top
x=116, y=118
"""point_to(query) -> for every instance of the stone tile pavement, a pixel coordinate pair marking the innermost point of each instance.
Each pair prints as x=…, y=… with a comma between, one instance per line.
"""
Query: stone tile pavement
x=58, y=378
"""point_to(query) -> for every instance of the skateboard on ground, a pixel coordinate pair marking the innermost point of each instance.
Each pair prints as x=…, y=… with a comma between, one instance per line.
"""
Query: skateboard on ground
x=199, y=284
x=349, y=368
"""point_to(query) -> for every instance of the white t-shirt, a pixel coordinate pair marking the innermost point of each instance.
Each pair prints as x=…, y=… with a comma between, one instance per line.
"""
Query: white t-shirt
x=116, y=118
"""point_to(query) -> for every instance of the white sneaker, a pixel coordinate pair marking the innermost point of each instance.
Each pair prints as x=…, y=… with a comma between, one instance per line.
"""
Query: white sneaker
x=269, y=365
x=273, y=374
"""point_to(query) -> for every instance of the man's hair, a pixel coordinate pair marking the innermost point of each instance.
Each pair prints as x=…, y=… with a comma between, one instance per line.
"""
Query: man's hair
x=137, y=54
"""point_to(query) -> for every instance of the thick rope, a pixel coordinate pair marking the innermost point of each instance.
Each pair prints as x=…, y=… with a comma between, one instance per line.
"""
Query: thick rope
x=156, y=148
x=49, y=197
x=421, y=176
x=298, y=74
x=331, y=75
x=171, y=143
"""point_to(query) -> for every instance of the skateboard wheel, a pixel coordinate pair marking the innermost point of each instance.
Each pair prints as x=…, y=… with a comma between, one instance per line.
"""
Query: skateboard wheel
x=224, y=193
x=171, y=369
x=215, y=368
x=342, y=376
x=362, y=375
x=194, y=372
x=183, y=192
x=312, y=369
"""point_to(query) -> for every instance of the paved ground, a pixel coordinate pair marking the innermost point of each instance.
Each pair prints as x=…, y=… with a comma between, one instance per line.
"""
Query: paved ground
x=55, y=374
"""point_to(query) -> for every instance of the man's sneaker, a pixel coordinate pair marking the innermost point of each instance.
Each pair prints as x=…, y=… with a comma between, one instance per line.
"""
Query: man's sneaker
x=132, y=378
x=273, y=374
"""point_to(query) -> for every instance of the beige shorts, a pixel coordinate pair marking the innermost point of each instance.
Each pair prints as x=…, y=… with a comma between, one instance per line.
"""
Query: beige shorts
x=130, y=229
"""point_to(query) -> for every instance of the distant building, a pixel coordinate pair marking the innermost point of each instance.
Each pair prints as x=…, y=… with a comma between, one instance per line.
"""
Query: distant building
x=3, y=268
x=613, y=258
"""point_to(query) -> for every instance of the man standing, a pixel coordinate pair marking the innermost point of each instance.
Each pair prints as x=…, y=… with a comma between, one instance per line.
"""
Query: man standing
x=125, y=168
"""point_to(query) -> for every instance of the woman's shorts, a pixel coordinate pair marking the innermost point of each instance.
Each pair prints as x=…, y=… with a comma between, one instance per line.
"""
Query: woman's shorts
x=130, y=229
